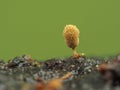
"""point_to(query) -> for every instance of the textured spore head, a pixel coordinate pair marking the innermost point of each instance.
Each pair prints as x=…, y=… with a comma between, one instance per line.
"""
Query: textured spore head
x=71, y=35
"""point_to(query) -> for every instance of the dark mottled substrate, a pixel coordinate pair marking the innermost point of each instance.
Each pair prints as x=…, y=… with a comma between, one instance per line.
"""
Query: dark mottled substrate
x=21, y=73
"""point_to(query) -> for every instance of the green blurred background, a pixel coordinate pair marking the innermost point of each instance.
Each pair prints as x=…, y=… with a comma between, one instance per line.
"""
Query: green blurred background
x=35, y=27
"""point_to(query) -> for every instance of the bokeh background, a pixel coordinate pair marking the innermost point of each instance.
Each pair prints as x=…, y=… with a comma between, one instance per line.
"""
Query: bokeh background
x=35, y=27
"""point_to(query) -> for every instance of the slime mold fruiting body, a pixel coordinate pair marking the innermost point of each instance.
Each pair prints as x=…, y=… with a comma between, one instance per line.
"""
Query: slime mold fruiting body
x=71, y=35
